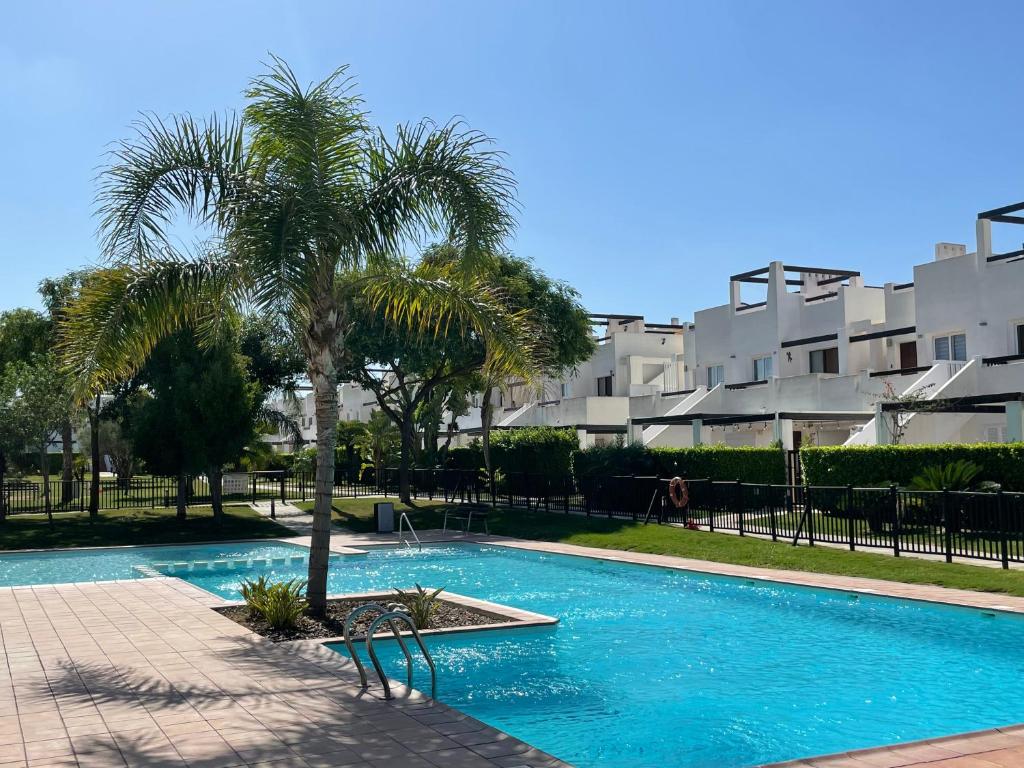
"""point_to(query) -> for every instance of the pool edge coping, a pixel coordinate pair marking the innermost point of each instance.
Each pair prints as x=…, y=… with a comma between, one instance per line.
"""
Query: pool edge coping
x=850, y=758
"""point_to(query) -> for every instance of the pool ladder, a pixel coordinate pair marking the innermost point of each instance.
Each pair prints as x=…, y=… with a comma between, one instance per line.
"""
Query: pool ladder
x=404, y=520
x=390, y=616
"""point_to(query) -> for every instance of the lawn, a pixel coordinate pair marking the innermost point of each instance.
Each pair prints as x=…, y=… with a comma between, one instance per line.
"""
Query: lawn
x=138, y=526
x=357, y=515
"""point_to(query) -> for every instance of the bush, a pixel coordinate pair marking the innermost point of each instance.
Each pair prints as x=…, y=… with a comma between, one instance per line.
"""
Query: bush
x=466, y=457
x=534, y=450
x=280, y=605
x=957, y=476
x=714, y=462
x=304, y=461
x=420, y=605
x=870, y=465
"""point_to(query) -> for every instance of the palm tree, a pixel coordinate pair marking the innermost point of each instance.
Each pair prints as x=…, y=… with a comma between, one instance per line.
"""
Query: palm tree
x=296, y=193
x=379, y=441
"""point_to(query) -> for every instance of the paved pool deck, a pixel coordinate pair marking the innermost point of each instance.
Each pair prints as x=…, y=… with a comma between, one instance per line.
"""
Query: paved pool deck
x=143, y=673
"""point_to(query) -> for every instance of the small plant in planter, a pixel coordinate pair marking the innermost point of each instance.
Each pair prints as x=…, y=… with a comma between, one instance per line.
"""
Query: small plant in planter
x=280, y=605
x=420, y=605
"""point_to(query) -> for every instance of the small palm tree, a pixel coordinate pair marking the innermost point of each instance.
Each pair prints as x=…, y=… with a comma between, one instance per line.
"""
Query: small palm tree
x=298, y=193
x=379, y=441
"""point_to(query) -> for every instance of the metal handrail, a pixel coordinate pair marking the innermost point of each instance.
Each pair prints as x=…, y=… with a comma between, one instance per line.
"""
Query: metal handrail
x=346, y=634
x=391, y=617
x=405, y=518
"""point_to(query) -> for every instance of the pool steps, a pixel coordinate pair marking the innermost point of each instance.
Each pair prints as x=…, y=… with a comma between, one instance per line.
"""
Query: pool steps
x=231, y=564
x=395, y=612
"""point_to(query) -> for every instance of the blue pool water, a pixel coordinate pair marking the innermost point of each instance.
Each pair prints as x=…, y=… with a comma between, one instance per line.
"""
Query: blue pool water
x=105, y=564
x=653, y=667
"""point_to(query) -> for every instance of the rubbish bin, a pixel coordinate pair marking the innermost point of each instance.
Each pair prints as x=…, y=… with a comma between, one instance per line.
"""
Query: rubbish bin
x=384, y=516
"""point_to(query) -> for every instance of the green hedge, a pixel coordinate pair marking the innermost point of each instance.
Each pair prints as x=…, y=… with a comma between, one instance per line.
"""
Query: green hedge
x=534, y=450
x=717, y=462
x=465, y=457
x=869, y=465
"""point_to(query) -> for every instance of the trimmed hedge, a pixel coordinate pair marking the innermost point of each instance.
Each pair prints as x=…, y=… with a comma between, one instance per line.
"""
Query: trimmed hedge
x=534, y=450
x=465, y=457
x=870, y=465
x=716, y=462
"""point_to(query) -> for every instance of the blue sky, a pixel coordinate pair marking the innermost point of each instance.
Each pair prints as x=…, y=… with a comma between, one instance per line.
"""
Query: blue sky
x=659, y=147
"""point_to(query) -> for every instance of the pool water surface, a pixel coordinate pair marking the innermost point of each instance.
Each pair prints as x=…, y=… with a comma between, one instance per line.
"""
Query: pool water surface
x=67, y=566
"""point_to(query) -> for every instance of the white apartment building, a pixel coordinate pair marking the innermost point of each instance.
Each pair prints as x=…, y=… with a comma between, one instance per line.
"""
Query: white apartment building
x=633, y=359
x=813, y=360
x=809, y=359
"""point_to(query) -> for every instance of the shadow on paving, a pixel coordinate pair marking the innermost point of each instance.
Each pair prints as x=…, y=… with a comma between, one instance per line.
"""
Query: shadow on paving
x=250, y=703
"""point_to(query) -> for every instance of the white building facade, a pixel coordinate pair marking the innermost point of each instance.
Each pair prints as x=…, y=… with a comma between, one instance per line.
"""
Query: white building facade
x=808, y=360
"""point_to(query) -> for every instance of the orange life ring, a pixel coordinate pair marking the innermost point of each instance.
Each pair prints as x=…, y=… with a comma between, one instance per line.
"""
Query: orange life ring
x=678, y=492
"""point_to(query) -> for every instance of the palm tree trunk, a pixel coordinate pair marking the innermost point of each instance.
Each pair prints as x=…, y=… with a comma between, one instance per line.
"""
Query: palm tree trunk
x=67, y=469
x=216, y=476
x=94, y=458
x=325, y=398
x=486, y=414
x=182, y=499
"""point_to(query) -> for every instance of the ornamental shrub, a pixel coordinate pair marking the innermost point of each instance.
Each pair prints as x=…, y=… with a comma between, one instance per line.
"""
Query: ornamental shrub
x=870, y=465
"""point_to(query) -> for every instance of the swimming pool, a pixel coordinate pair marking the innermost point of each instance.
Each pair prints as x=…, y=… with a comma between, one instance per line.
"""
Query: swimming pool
x=66, y=566
x=651, y=666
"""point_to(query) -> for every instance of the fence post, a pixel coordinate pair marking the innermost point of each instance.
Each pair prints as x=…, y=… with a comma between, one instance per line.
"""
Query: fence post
x=947, y=530
x=302, y=484
x=633, y=502
x=772, y=514
x=849, y=516
x=1004, y=528
x=547, y=493
x=253, y=487
x=714, y=503
x=739, y=504
x=809, y=513
x=283, y=499
x=894, y=504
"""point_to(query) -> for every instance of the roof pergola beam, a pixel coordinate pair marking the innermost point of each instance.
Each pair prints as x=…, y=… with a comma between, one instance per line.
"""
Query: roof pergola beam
x=997, y=212
x=967, y=404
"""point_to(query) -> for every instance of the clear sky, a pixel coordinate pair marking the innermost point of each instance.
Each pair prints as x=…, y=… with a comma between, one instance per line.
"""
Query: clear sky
x=659, y=147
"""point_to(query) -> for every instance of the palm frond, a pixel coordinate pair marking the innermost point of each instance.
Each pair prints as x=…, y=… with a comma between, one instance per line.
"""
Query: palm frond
x=124, y=311
x=438, y=179
x=278, y=421
x=437, y=300
x=181, y=167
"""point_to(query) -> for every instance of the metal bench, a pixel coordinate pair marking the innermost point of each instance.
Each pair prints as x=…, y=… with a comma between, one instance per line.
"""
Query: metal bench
x=466, y=518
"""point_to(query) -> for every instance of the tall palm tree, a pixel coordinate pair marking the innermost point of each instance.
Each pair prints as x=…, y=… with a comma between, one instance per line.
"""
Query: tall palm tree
x=296, y=193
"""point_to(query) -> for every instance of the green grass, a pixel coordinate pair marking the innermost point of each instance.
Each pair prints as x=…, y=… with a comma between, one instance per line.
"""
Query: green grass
x=138, y=526
x=357, y=515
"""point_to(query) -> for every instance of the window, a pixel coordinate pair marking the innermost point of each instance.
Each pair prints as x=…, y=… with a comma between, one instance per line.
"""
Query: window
x=762, y=368
x=825, y=360
x=565, y=389
x=716, y=375
x=951, y=347
x=604, y=386
x=1020, y=339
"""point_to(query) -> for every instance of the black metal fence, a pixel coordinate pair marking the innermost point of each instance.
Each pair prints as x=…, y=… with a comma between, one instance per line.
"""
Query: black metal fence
x=945, y=524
